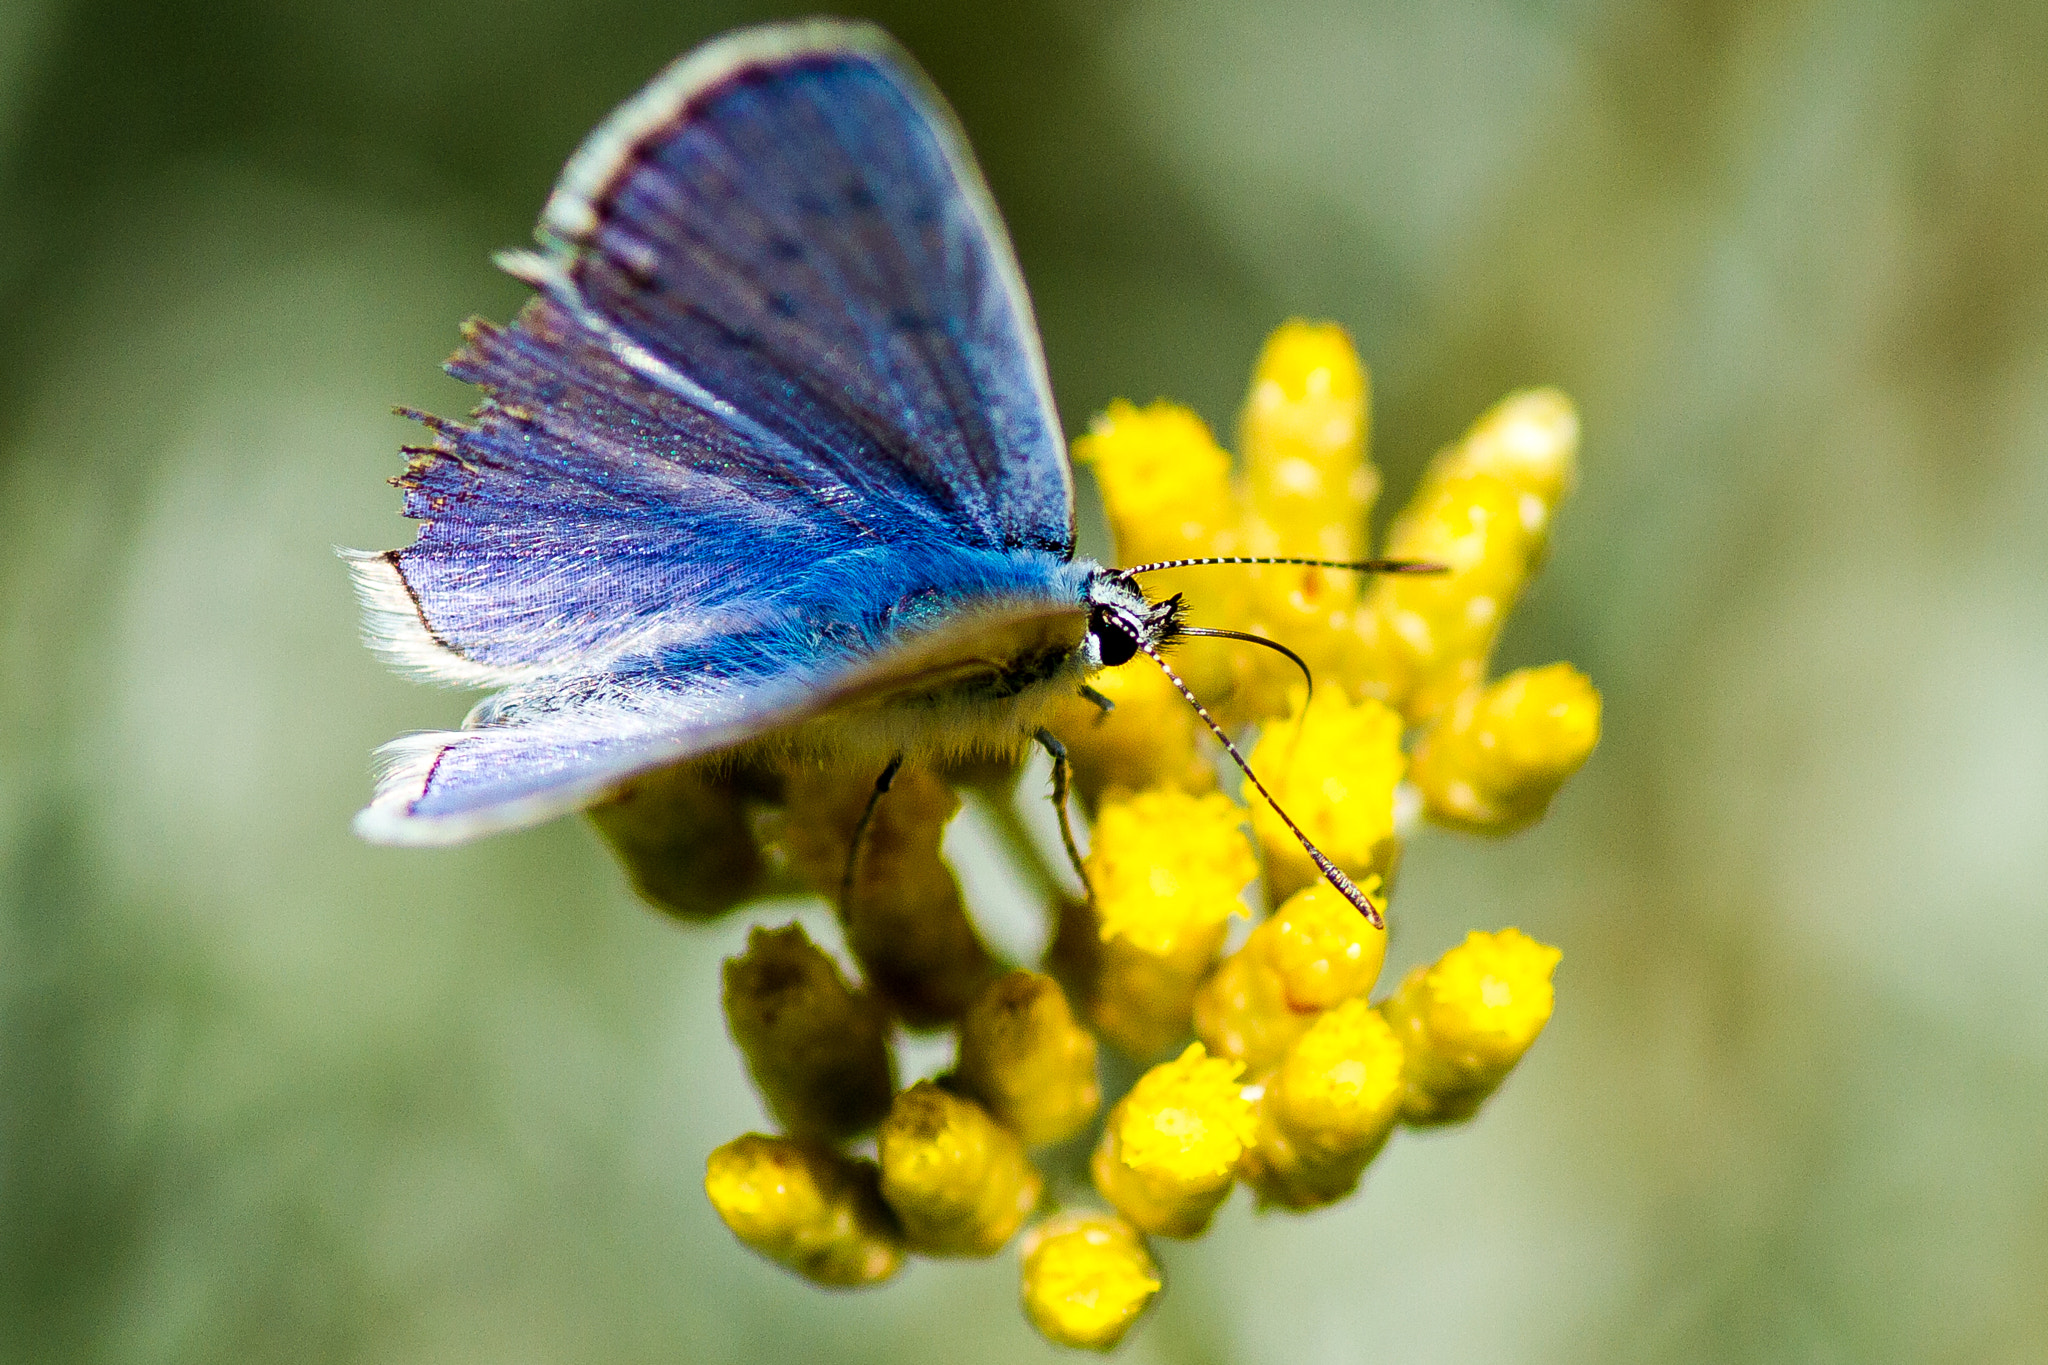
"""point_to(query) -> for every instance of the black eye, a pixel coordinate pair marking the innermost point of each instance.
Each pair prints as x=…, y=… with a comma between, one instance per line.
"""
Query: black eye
x=1115, y=644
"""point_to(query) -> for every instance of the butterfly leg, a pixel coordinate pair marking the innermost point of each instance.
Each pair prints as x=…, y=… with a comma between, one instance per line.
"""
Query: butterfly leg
x=1060, y=774
x=860, y=830
x=1089, y=694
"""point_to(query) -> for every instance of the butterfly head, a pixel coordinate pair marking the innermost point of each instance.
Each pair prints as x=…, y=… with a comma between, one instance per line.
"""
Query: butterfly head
x=1121, y=621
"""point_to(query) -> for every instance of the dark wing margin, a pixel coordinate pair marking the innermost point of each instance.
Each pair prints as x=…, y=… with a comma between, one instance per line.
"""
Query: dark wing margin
x=788, y=229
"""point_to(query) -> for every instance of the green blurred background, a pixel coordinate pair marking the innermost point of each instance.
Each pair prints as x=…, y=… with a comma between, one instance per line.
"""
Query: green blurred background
x=269, y=1094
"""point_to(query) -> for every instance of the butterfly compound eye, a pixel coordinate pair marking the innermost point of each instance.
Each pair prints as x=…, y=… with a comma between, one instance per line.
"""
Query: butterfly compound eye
x=1113, y=644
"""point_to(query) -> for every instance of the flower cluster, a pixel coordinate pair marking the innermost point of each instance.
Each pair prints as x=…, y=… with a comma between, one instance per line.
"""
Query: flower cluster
x=1268, y=1066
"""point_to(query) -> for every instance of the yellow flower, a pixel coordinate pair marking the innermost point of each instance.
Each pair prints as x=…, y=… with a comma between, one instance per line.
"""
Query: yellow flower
x=1335, y=774
x=1167, y=869
x=1328, y=1109
x=1530, y=440
x=1316, y=951
x=1167, y=493
x=1309, y=491
x=806, y=1207
x=1296, y=1080
x=1023, y=1056
x=1168, y=1154
x=1322, y=949
x=818, y=1052
x=1492, y=764
x=1241, y=1011
x=1165, y=482
x=1430, y=635
x=1483, y=509
x=1087, y=1278
x=1303, y=433
x=1468, y=1019
x=957, y=1179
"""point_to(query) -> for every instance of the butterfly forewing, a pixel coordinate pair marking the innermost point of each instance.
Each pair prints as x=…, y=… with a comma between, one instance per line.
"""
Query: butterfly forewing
x=790, y=220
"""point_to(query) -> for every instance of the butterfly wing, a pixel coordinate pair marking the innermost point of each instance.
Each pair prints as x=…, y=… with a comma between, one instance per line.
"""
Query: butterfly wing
x=777, y=427
x=531, y=754
x=586, y=516
x=789, y=219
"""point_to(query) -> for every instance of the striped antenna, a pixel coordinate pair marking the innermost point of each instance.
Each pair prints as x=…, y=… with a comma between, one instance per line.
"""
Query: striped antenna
x=1331, y=872
x=1353, y=565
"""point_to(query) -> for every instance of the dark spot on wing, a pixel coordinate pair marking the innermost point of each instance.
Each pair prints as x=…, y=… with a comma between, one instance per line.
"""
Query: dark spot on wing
x=909, y=320
x=859, y=197
x=782, y=305
x=785, y=248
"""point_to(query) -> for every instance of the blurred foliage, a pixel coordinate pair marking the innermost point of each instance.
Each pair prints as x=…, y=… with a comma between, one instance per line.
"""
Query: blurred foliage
x=266, y=1093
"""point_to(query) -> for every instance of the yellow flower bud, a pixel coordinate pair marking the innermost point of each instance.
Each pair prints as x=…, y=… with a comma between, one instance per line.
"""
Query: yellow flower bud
x=1316, y=951
x=1494, y=761
x=1304, y=428
x=1530, y=440
x=683, y=837
x=1167, y=869
x=1432, y=633
x=805, y=1207
x=1087, y=1278
x=1167, y=866
x=1165, y=482
x=1152, y=739
x=1310, y=491
x=1241, y=1010
x=1323, y=950
x=957, y=1179
x=1335, y=775
x=818, y=1051
x=1328, y=1109
x=1167, y=493
x=1484, y=508
x=1023, y=1056
x=905, y=923
x=1171, y=1147
x=1467, y=1020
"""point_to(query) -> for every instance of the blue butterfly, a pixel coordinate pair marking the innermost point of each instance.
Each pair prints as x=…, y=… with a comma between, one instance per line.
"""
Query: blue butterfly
x=768, y=468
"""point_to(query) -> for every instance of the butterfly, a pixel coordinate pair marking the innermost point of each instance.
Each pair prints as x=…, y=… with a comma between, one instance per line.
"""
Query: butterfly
x=768, y=468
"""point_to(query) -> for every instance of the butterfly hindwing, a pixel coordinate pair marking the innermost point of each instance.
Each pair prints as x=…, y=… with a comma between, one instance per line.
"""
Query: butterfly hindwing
x=538, y=751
